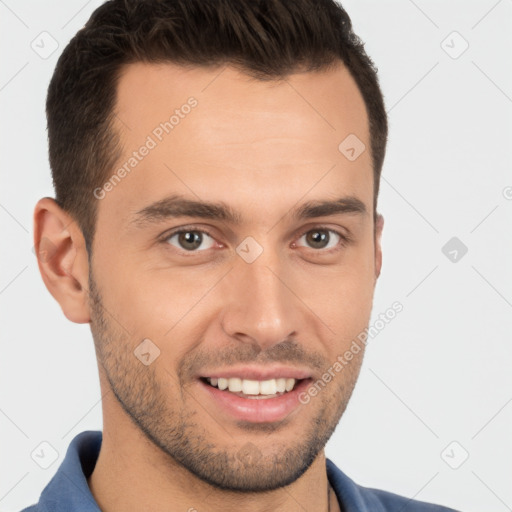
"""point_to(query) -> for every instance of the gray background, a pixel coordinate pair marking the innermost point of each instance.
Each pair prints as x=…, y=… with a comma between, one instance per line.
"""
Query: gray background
x=436, y=385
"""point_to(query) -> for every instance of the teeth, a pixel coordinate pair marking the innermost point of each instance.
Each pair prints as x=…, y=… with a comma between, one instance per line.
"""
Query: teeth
x=253, y=387
x=268, y=387
x=235, y=385
x=289, y=384
x=250, y=387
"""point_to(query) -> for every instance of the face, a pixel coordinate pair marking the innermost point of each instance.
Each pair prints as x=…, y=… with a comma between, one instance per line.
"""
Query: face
x=237, y=250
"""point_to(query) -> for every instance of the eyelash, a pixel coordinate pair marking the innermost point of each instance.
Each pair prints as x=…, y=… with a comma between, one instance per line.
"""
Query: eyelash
x=344, y=238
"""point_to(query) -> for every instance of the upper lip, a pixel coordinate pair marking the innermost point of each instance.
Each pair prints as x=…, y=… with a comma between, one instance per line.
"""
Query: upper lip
x=259, y=373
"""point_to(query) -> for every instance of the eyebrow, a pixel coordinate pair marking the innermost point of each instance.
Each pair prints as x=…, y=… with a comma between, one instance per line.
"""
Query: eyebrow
x=178, y=206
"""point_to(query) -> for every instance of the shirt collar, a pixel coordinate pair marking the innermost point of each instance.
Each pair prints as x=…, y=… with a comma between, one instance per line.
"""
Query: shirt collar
x=68, y=490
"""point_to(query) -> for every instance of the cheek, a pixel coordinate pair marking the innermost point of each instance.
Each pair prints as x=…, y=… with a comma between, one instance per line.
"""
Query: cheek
x=344, y=303
x=342, y=295
x=155, y=302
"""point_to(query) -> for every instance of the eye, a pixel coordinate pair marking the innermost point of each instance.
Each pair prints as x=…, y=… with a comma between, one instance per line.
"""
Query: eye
x=190, y=240
x=322, y=238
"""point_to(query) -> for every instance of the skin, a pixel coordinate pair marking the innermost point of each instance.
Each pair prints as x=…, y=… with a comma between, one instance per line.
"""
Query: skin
x=260, y=148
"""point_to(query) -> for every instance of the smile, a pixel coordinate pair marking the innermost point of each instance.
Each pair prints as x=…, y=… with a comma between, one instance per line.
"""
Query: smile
x=254, y=401
x=254, y=388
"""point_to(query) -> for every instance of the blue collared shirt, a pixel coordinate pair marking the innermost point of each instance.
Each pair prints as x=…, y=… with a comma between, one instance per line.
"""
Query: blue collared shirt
x=68, y=490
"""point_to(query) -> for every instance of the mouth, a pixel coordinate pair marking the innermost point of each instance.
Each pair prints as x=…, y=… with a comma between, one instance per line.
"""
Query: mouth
x=253, y=389
x=251, y=400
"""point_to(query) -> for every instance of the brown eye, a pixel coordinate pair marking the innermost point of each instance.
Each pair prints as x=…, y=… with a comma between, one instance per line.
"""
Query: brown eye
x=317, y=239
x=191, y=240
x=321, y=238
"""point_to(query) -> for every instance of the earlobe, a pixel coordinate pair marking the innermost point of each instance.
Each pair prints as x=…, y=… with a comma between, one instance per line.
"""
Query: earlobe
x=62, y=259
x=379, y=225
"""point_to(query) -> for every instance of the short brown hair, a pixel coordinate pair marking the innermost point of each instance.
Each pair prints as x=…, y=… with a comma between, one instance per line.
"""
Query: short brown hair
x=267, y=39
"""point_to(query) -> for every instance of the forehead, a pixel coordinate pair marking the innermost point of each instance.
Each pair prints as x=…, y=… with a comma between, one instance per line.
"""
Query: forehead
x=326, y=101
x=214, y=131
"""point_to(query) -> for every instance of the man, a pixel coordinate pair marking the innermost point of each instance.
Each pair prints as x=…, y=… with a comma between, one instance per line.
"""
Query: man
x=216, y=166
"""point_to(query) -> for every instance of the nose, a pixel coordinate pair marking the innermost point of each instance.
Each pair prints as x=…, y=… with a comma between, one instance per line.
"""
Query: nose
x=262, y=308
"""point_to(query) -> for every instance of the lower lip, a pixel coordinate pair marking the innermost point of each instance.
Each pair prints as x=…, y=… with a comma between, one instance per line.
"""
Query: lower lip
x=257, y=410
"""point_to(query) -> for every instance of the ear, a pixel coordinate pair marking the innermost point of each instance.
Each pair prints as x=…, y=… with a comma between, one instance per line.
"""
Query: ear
x=62, y=259
x=379, y=225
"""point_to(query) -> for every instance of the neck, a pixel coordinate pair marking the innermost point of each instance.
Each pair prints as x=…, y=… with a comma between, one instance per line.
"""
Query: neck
x=132, y=472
